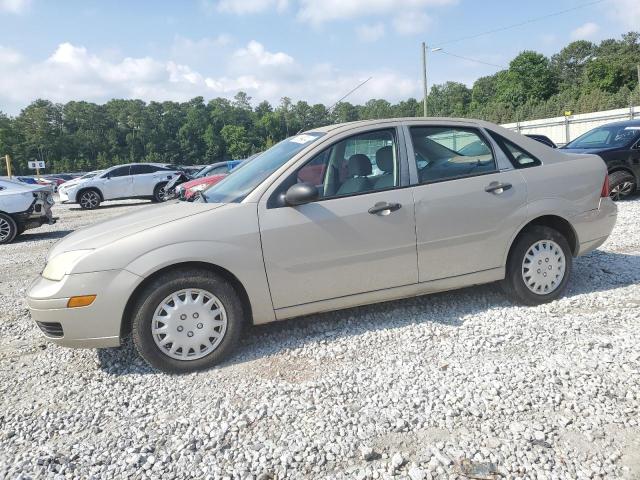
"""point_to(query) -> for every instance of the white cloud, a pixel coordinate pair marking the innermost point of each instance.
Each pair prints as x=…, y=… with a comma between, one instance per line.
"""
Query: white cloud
x=411, y=23
x=626, y=12
x=14, y=6
x=72, y=72
x=317, y=12
x=242, y=7
x=585, y=31
x=9, y=56
x=370, y=33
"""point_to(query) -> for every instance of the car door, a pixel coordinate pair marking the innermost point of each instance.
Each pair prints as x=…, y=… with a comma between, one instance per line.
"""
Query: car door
x=145, y=177
x=346, y=242
x=116, y=183
x=467, y=205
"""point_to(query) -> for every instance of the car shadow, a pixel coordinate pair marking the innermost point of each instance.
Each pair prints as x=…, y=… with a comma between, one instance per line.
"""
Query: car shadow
x=115, y=205
x=32, y=237
x=596, y=272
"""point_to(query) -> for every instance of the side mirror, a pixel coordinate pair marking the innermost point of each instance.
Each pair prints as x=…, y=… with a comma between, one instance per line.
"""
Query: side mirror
x=301, y=193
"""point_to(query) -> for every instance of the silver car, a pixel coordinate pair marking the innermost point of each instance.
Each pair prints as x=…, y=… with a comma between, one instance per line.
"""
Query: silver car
x=336, y=217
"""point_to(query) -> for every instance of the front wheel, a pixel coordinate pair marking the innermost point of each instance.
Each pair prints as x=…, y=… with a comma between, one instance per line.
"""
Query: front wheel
x=89, y=199
x=187, y=320
x=8, y=229
x=539, y=266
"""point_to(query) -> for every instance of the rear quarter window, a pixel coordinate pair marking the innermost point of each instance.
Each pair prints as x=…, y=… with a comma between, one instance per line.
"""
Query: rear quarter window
x=518, y=156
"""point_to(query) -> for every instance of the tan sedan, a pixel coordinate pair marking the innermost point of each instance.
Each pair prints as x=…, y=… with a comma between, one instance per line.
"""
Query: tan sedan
x=338, y=216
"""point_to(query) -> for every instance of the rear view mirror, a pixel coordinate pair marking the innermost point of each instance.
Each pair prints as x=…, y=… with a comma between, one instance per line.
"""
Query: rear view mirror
x=301, y=193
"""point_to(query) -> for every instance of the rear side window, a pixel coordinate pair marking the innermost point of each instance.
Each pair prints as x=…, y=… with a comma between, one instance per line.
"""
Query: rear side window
x=447, y=153
x=142, y=169
x=519, y=157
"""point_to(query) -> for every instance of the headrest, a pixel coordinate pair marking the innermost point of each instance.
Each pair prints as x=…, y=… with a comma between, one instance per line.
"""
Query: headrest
x=359, y=165
x=384, y=159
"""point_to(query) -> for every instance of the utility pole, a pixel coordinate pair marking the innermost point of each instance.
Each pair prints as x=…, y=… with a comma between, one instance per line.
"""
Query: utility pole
x=424, y=75
x=8, y=160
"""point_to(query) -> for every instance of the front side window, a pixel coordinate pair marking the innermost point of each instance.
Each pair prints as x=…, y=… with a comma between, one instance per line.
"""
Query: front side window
x=446, y=153
x=118, y=172
x=236, y=187
x=360, y=164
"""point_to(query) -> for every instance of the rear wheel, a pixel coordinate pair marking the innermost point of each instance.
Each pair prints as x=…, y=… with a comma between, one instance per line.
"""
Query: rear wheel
x=187, y=320
x=8, y=228
x=159, y=193
x=539, y=266
x=89, y=199
x=621, y=185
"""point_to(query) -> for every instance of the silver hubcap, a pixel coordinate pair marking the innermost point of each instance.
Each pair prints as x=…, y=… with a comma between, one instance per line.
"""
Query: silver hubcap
x=543, y=267
x=622, y=190
x=189, y=324
x=5, y=229
x=89, y=200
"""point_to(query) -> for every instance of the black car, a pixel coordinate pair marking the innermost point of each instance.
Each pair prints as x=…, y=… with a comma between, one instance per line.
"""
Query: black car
x=619, y=146
x=542, y=139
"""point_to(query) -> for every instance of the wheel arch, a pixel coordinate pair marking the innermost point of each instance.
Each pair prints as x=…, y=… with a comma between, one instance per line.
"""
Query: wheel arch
x=125, y=323
x=558, y=223
x=622, y=168
x=90, y=187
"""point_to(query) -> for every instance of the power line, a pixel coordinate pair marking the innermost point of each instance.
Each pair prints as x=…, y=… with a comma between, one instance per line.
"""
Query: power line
x=471, y=59
x=526, y=22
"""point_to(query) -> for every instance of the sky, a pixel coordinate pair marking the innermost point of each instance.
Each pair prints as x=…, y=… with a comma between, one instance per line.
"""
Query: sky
x=313, y=50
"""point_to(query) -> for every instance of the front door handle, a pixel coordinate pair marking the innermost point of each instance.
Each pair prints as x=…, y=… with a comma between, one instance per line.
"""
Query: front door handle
x=384, y=208
x=497, y=187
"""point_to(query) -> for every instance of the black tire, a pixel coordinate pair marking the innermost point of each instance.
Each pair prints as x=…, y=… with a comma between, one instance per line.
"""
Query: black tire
x=8, y=229
x=165, y=285
x=158, y=193
x=622, y=184
x=514, y=283
x=89, y=199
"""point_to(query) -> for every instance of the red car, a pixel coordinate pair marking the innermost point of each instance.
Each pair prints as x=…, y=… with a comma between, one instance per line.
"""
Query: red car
x=188, y=190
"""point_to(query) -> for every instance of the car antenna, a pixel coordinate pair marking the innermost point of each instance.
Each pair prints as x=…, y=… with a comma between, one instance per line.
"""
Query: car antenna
x=342, y=98
x=348, y=93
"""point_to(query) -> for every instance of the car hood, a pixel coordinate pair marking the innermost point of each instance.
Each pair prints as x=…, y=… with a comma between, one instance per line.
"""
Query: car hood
x=199, y=181
x=72, y=183
x=114, y=229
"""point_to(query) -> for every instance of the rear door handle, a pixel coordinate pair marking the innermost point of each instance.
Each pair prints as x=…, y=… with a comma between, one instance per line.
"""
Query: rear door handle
x=384, y=208
x=497, y=187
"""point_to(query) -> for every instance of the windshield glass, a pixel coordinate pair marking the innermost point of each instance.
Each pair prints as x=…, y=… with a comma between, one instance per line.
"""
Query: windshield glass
x=242, y=180
x=613, y=136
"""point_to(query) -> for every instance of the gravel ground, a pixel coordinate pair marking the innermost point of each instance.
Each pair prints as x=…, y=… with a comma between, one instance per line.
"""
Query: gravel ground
x=454, y=385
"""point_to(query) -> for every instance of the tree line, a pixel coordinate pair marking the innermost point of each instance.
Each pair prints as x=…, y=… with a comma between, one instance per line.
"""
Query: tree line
x=81, y=136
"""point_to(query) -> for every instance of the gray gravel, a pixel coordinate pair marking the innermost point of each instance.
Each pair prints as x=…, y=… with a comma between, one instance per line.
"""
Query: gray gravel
x=461, y=383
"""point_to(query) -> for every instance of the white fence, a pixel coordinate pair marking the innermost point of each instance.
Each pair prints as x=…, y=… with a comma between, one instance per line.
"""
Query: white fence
x=564, y=129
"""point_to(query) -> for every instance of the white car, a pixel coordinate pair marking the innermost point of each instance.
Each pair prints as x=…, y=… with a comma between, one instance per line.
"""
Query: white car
x=71, y=183
x=23, y=206
x=134, y=180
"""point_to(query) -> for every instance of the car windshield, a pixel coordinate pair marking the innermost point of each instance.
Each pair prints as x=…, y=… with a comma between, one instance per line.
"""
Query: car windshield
x=613, y=136
x=248, y=176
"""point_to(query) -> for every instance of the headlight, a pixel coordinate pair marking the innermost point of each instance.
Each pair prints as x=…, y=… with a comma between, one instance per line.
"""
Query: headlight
x=199, y=188
x=62, y=264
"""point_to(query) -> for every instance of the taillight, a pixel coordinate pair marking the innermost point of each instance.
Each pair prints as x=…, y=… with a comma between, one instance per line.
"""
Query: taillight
x=605, y=192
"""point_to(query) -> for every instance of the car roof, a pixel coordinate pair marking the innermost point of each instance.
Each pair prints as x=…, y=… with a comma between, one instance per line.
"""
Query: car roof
x=622, y=123
x=381, y=121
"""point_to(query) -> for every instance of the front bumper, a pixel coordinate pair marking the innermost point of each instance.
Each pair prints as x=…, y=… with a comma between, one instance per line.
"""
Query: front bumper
x=95, y=326
x=594, y=227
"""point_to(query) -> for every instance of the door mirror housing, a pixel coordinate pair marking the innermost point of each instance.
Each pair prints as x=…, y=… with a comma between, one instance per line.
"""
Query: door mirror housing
x=301, y=193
